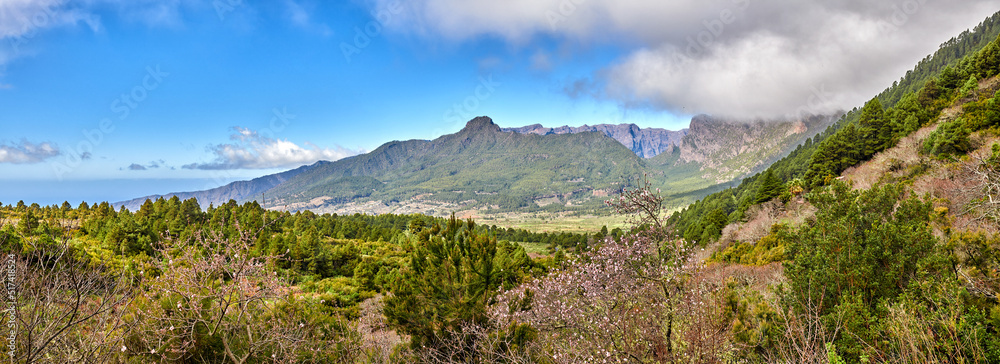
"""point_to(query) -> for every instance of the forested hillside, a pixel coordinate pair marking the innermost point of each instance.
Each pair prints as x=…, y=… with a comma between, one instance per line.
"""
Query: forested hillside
x=885, y=226
x=938, y=81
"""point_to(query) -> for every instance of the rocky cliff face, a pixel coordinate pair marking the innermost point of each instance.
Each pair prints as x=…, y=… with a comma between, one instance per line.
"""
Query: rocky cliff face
x=722, y=149
x=728, y=149
x=646, y=143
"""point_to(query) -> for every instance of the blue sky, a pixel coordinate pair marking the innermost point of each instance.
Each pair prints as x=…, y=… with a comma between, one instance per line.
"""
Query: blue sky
x=161, y=96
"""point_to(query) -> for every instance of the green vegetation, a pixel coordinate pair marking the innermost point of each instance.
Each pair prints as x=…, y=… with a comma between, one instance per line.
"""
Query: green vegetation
x=770, y=187
x=867, y=280
x=210, y=276
x=769, y=249
x=865, y=249
x=481, y=164
x=915, y=101
x=880, y=274
x=453, y=275
x=482, y=171
x=877, y=275
x=482, y=167
x=950, y=139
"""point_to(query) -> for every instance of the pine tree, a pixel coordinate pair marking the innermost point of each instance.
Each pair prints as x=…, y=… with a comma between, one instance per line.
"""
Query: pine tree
x=875, y=128
x=28, y=223
x=952, y=77
x=453, y=274
x=929, y=93
x=988, y=60
x=910, y=125
x=863, y=250
x=848, y=149
x=770, y=187
x=970, y=86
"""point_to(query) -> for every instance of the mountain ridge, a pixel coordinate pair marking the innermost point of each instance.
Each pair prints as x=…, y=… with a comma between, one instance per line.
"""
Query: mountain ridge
x=486, y=167
x=238, y=190
x=645, y=142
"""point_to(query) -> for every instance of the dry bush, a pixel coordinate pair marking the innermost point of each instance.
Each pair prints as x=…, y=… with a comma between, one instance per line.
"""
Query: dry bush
x=962, y=186
x=805, y=332
x=936, y=333
x=67, y=310
x=758, y=277
x=704, y=332
x=797, y=212
x=761, y=218
x=937, y=182
x=894, y=162
x=954, y=190
x=909, y=336
x=492, y=346
x=729, y=233
x=980, y=177
x=708, y=332
x=377, y=339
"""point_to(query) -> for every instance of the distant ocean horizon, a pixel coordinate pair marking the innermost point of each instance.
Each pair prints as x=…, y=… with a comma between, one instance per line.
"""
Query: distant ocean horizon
x=47, y=193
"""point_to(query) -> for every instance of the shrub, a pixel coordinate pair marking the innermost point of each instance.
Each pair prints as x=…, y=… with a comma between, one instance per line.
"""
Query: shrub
x=951, y=138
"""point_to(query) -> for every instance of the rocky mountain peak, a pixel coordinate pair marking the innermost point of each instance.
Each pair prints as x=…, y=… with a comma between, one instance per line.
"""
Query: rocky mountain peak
x=481, y=124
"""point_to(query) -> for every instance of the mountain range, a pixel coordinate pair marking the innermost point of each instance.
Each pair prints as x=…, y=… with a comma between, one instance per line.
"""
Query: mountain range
x=646, y=143
x=488, y=169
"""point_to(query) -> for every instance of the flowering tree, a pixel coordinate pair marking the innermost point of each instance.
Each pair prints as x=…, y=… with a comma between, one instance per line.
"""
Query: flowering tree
x=215, y=301
x=619, y=302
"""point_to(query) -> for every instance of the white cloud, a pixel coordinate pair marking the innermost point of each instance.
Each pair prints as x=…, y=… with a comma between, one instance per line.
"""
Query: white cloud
x=251, y=150
x=27, y=152
x=24, y=18
x=728, y=57
x=22, y=21
x=299, y=15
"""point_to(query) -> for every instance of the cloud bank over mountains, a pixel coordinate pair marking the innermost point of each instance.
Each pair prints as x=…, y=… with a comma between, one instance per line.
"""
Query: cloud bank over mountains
x=743, y=58
x=251, y=150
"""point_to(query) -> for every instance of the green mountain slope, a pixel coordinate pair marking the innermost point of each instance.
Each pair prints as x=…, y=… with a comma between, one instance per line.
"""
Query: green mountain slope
x=478, y=166
x=487, y=170
x=239, y=190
